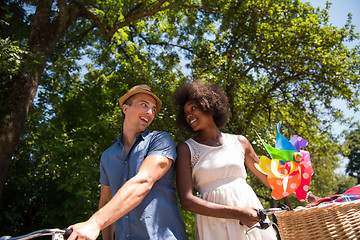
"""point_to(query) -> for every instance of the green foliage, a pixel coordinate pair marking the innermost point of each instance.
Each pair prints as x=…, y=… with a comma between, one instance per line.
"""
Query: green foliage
x=71, y=124
x=14, y=21
x=13, y=29
x=281, y=61
x=10, y=65
x=353, y=144
x=188, y=218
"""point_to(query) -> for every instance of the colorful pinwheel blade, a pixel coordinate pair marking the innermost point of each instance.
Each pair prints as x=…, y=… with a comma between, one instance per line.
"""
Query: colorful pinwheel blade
x=298, y=142
x=286, y=155
x=305, y=175
x=289, y=170
x=282, y=142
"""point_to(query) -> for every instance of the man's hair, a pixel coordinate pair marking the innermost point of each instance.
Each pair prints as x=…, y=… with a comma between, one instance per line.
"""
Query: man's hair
x=129, y=101
x=210, y=98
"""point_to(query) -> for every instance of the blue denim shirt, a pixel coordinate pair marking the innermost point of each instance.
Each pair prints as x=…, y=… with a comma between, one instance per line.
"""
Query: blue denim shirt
x=158, y=215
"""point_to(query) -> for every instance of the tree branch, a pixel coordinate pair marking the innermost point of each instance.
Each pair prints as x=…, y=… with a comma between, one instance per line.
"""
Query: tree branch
x=89, y=14
x=160, y=43
x=132, y=18
x=136, y=13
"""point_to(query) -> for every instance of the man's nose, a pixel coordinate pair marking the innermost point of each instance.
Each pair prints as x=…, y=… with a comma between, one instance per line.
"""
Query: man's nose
x=150, y=111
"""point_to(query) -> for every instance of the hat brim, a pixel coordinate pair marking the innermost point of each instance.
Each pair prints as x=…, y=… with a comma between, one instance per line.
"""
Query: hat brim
x=127, y=95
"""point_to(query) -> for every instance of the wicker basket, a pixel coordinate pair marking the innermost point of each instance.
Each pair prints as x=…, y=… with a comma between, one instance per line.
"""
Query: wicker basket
x=329, y=221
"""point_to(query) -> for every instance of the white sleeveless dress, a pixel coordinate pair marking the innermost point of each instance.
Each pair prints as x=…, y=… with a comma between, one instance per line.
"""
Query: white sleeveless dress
x=219, y=176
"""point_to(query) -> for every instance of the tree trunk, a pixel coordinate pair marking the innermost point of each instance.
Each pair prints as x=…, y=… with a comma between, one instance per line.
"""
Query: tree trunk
x=17, y=103
x=44, y=36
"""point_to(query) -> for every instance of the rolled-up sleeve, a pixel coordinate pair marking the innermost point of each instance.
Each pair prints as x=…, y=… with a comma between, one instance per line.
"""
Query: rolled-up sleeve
x=163, y=144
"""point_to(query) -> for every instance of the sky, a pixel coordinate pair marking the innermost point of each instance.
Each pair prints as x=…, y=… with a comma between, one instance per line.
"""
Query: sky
x=338, y=12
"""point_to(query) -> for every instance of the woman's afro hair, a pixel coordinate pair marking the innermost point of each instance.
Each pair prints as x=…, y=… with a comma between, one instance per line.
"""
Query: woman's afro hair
x=210, y=98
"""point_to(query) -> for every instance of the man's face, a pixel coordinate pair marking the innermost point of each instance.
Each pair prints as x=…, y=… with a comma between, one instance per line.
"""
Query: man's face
x=141, y=111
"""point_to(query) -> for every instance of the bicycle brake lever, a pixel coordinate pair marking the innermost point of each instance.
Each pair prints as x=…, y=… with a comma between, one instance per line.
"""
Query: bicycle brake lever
x=252, y=228
x=262, y=224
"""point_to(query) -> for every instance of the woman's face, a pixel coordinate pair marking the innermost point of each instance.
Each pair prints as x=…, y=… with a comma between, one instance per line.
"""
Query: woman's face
x=195, y=116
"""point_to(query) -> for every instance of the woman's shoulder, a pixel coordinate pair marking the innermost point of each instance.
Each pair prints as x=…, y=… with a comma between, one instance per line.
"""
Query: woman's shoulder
x=244, y=142
x=183, y=145
x=238, y=136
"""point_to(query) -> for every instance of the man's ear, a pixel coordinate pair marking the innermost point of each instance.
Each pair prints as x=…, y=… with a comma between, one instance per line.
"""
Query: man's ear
x=124, y=108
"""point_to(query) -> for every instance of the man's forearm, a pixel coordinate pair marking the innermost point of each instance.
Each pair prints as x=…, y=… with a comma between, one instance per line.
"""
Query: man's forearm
x=127, y=198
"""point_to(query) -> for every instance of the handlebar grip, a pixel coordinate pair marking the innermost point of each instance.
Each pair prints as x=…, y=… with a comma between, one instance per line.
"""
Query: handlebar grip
x=67, y=233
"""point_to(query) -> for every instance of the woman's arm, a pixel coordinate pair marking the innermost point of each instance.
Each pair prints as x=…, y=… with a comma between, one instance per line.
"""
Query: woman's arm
x=251, y=158
x=189, y=202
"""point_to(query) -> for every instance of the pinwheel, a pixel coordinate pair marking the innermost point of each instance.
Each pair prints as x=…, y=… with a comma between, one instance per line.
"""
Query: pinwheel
x=289, y=171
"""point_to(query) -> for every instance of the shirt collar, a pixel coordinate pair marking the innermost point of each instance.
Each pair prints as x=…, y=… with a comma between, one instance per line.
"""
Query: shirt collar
x=142, y=135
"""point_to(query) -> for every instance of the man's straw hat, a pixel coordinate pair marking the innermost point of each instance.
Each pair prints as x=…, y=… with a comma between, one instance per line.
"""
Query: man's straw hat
x=140, y=89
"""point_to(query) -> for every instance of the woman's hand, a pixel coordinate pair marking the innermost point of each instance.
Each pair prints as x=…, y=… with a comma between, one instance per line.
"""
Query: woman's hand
x=249, y=216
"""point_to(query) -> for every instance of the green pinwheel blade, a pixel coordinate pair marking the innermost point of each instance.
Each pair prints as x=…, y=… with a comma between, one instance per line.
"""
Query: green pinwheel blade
x=287, y=155
x=284, y=155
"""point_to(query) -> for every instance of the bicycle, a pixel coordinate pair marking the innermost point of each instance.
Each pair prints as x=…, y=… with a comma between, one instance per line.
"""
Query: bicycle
x=57, y=234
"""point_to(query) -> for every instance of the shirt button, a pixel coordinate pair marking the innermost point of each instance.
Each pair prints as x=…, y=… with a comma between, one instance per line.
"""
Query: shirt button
x=125, y=162
x=126, y=216
x=127, y=235
x=125, y=179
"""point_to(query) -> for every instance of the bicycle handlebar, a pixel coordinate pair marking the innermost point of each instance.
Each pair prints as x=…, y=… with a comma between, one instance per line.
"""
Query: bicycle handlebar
x=56, y=233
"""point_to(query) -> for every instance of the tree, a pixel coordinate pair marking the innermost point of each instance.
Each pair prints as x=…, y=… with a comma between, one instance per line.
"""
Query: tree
x=352, y=141
x=281, y=61
x=77, y=113
x=51, y=22
x=277, y=61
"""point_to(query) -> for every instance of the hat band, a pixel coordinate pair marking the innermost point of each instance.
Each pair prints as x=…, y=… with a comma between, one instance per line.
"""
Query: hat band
x=145, y=90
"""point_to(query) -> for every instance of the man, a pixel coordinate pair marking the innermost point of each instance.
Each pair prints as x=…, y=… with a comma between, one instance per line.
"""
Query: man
x=137, y=179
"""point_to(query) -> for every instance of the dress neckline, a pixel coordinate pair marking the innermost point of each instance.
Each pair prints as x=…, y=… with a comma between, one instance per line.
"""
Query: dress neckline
x=205, y=145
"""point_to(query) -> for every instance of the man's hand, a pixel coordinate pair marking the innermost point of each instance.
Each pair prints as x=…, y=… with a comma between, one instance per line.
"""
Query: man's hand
x=84, y=231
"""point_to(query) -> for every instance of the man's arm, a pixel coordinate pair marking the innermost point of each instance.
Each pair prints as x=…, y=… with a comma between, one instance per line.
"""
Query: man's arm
x=105, y=197
x=127, y=198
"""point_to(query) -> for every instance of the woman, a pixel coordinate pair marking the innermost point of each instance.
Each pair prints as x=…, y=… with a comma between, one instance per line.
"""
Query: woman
x=213, y=163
